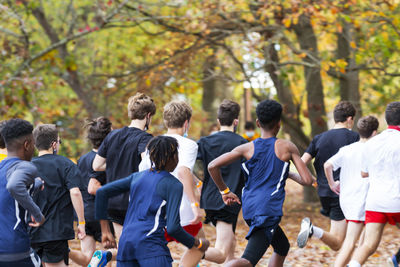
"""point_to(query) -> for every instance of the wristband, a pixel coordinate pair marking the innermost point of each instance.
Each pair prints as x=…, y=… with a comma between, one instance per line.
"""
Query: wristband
x=201, y=244
x=82, y=222
x=195, y=204
x=199, y=184
x=226, y=191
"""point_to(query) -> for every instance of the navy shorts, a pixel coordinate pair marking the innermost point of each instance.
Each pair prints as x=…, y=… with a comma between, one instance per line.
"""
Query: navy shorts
x=32, y=261
x=160, y=261
x=52, y=251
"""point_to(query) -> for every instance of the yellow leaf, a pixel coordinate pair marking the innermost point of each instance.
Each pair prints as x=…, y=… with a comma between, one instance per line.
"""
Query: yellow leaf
x=287, y=23
x=353, y=44
x=148, y=82
x=302, y=55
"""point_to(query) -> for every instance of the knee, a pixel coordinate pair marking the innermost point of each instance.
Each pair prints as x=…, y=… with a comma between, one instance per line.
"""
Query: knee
x=283, y=248
x=238, y=263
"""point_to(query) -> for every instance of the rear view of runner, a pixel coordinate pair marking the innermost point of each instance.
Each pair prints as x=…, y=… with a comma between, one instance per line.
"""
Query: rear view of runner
x=121, y=152
x=222, y=216
x=322, y=147
x=16, y=175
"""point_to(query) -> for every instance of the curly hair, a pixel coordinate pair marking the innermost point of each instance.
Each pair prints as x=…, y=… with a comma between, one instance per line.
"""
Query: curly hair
x=97, y=130
x=45, y=135
x=343, y=110
x=15, y=129
x=268, y=113
x=139, y=106
x=367, y=125
x=228, y=111
x=176, y=113
x=392, y=113
x=161, y=150
x=2, y=143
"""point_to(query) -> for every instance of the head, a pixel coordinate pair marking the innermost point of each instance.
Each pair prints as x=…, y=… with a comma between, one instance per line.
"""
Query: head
x=249, y=128
x=141, y=107
x=17, y=135
x=392, y=114
x=344, y=112
x=228, y=113
x=2, y=143
x=46, y=137
x=97, y=130
x=163, y=151
x=269, y=115
x=177, y=114
x=367, y=126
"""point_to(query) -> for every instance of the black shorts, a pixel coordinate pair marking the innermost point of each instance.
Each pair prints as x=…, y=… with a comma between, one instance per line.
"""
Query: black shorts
x=221, y=215
x=117, y=216
x=261, y=238
x=331, y=208
x=94, y=229
x=52, y=251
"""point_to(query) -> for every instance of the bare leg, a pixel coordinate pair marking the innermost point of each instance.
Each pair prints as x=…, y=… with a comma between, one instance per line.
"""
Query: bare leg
x=224, y=245
x=276, y=260
x=373, y=234
x=352, y=235
x=241, y=262
x=117, y=230
x=82, y=257
x=58, y=264
x=334, y=238
x=192, y=256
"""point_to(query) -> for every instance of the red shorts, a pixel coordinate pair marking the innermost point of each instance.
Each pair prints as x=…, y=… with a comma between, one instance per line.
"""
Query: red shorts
x=192, y=229
x=355, y=221
x=382, y=217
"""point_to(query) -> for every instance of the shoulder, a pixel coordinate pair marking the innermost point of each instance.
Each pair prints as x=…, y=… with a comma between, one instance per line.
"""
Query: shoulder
x=286, y=145
x=187, y=143
x=25, y=165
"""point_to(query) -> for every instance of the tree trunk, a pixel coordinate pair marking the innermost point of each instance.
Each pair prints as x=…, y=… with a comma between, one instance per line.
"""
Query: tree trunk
x=291, y=122
x=315, y=95
x=349, y=82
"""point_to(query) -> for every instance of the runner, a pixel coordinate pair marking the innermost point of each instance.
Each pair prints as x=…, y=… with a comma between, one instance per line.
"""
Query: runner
x=352, y=188
x=97, y=130
x=267, y=168
x=60, y=197
x=250, y=133
x=381, y=163
x=121, y=152
x=17, y=174
x=222, y=216
x=322, y=147
x=155, y=197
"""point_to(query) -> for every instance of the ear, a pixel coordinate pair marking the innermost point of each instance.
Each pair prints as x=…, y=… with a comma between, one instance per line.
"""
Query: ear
x=258, y=123
x=26, y=144
x=235, y=122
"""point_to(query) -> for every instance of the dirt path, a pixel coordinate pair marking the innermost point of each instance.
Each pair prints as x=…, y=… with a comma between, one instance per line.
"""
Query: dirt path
x=315, y=253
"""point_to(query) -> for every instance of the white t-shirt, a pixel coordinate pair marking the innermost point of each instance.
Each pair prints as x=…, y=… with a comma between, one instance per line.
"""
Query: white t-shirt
x=353, y=188
x=187, y=153
x=381, y=160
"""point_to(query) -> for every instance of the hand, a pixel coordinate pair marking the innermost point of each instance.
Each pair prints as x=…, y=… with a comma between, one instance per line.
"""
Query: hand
x=34, y=223
x=108, y=240
x=335, y=187
x=205, y=244
x=198, y=215
x=81, y=231
x=230, y=199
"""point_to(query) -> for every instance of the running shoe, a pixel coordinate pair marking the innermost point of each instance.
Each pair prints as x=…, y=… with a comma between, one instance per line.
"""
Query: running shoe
x=305, y=232
x=100, y=258
x=392, y=261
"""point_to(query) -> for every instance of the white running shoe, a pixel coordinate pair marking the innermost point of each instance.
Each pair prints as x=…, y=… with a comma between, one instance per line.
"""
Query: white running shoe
x=305, y=232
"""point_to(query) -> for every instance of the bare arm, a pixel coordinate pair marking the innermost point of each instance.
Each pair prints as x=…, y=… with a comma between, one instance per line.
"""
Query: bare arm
x=77, y=203
x=306, y=158
x=99, y=163
x=334, y=185
x=93, y=185
x=304, y=172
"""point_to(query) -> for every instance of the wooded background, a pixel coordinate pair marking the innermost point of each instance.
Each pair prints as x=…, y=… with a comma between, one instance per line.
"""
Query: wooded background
x=64, y=61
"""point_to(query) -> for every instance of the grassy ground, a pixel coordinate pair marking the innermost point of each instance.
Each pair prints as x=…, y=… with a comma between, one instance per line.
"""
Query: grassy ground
x=315, y=253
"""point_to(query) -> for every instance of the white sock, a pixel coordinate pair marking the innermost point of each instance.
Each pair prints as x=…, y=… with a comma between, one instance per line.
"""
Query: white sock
x=317, y=232
x=354, y=263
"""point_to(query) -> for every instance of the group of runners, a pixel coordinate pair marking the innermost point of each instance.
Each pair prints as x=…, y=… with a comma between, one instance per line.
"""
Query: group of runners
x=134, y=193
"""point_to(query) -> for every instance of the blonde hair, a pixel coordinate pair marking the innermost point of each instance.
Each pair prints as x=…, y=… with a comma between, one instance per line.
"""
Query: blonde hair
x=139, y=106
x=176, y=113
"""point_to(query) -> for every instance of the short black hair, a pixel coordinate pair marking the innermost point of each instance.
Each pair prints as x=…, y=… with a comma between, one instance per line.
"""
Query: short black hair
x=343, y=110
x=15, y=129
x=161, y=149
x=228, y=111
x=392, y=113
x=2, y=143
x=45, y=135
x=249, y=125
x=97, y=130
x=367, y=125
x=268, y=113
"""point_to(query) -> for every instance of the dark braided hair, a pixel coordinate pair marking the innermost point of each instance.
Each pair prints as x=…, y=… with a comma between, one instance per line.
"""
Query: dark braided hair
x=161, y=150
x=97, y=130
